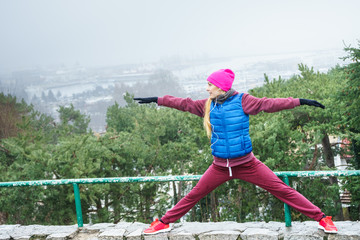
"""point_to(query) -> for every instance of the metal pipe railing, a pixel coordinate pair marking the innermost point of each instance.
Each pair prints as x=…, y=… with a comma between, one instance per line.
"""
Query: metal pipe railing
x=75, y=182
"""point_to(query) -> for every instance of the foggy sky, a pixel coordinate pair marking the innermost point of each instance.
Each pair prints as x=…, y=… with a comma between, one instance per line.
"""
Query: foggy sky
x=103, y=32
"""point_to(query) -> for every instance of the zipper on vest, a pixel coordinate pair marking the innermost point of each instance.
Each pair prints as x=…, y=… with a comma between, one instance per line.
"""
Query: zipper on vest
x=226, y=132
x=227, y=165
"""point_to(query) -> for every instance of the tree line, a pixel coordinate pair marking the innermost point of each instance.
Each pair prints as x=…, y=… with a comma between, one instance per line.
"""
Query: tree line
x=153, y=141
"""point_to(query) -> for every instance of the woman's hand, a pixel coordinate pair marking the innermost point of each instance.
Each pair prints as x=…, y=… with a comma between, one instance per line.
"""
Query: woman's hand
x=147, y=100
x=311, y=103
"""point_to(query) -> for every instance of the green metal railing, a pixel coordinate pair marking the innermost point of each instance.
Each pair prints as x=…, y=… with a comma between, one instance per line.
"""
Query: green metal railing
x=75, y=182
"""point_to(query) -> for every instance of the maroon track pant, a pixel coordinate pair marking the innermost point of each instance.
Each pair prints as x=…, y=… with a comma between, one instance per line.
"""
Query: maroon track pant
x=254, y=172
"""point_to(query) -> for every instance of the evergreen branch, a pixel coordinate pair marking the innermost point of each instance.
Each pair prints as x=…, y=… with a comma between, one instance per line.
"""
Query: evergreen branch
x=3, y=149
x=119, y=198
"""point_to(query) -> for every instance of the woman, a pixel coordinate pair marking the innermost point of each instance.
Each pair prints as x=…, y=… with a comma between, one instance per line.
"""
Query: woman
x=226, y=121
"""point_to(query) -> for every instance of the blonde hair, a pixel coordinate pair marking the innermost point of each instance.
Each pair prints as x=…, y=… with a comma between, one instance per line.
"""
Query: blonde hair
x=207, y=124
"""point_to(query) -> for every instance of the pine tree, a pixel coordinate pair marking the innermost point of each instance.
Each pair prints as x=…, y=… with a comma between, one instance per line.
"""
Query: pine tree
x=349, y=99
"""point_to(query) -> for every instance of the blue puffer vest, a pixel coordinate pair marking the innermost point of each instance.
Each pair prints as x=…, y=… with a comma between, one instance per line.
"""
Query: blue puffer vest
x=230, y=129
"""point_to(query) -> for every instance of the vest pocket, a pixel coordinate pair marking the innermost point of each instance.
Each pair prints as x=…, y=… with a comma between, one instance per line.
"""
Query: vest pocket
x=236, y=144
x=247, y=142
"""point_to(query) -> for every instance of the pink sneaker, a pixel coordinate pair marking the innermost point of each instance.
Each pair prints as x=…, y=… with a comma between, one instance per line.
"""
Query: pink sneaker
x=157, y=227
x=327, y=225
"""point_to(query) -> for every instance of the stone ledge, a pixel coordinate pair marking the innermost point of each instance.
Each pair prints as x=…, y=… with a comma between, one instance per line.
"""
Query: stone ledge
x=184, y=231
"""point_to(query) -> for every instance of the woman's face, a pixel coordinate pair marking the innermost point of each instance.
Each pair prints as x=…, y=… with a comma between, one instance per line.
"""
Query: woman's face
x=213, y=90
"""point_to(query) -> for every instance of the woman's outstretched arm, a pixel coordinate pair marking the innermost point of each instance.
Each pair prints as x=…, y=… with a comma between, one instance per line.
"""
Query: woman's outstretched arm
x=253, y=105
x=183, y=104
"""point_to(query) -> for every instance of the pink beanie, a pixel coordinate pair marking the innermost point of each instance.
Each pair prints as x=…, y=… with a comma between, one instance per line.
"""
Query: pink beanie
x=222, y=78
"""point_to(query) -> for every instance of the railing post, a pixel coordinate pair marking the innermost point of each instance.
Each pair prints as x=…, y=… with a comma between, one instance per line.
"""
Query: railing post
x=286, y=207
x=78, y=205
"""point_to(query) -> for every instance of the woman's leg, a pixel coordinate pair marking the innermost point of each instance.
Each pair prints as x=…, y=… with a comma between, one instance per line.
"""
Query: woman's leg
x=259, y=174
x=212, y=178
